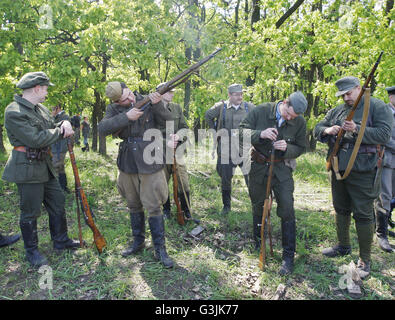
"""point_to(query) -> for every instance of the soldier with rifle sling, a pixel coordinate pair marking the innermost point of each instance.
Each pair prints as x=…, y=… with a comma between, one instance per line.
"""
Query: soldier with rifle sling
x=355, y=162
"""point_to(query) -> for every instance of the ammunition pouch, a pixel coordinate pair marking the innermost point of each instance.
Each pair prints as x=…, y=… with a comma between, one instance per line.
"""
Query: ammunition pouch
x=37, y=154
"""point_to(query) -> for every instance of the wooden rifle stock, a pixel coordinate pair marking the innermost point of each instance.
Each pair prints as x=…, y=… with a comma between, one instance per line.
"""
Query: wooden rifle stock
x=180, y=213
x=350, y=116
x=99, y=240
x=177, y=80
x=266, y=214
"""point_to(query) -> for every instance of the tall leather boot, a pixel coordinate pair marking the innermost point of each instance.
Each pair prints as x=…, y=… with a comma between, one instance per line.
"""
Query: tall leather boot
x=8, y=240
x=184, y=205
x=382, y=231
x=288, y=239
x=365, y=234
x=63, y=182
x=30, y=239
x=137, y=221
x=343, y=247
x=157, y=227
x=58, y=231
x=167, y=208
x=226, y=201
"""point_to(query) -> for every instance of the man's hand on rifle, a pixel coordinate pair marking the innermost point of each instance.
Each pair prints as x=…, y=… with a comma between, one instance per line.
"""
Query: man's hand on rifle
x=349, y=126
x=155, y=97
x=332, y=131
x=173, y=142
x=66, y=129
x=269, y=133
x=133, y=114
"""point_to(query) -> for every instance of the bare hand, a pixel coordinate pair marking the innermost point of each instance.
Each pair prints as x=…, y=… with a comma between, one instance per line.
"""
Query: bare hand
x=134, y=114
x=332, y=131
x=155, y=97
x=174, y=141
x=349, y=126
x=67, y=129
x=269, y=133
x=280, y=145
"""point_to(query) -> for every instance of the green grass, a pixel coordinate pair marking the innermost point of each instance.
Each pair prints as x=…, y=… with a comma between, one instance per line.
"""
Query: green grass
x=221, y=265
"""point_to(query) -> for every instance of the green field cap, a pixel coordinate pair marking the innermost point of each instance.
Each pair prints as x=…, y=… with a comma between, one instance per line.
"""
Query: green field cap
x=346, y=84
x=235, y=88
x=32, y=79
x=298, y=102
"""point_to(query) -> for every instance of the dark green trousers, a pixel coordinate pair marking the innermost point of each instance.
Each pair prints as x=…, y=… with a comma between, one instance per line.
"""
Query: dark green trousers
x=34, y=195
x=283, y=192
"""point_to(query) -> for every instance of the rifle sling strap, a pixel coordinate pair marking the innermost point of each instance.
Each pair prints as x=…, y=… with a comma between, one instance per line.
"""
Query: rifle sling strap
x=335, y=161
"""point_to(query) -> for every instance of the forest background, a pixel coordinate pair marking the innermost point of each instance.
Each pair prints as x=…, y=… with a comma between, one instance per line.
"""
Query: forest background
x=272, y=47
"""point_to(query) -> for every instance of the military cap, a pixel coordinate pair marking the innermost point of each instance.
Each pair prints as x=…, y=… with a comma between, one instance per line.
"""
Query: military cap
x=114, y=90
x=346, y=84
x=162, y=84
x=235, y=88
x=298, y=102
x=390, y=90
x=32, y=79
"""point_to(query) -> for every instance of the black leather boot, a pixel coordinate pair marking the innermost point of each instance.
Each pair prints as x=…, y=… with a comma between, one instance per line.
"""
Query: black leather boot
x=30, y=239
x=226, y=201
x=157, y=227
x=58, y=230
x=184, y=205
x=288, y=234
x=137, y=221
x=8, y=240
x=167, y=209
x=382, y=231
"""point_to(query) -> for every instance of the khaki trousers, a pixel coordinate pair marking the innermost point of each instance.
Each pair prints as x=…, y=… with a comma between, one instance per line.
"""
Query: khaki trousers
x=141, y=191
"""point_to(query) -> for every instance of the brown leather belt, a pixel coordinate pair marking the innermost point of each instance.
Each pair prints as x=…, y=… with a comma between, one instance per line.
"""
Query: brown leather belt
x=20, y=148
x=260, y=158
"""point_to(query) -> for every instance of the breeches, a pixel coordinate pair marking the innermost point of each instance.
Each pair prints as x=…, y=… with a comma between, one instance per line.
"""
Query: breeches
x=149, y=191
x=356, y=194
x=383, y=202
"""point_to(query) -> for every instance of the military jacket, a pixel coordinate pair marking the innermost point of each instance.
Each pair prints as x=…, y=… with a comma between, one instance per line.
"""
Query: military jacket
x=389, y=155
x=233, y=117
x=131, y=149
x=377, y=132
x=30, y=126
x=61, y=145
x=293, y=132
x=176, y=125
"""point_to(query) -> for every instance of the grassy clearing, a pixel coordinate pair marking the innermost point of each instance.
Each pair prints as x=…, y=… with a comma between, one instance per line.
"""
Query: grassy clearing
x=221, y=265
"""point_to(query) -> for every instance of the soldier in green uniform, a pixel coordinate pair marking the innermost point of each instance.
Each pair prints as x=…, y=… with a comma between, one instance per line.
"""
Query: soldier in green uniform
x=357, y=192
x=173, y=141
x=277, y=126
x=227, y=115
x=142, y=183
x=32, y=130
x=59, y=149
x=383, y=202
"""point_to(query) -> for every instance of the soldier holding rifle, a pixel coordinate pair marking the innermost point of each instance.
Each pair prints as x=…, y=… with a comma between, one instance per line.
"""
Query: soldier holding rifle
x=32, y=130
x=279, y=126
x=142, y=184
x=357, y=192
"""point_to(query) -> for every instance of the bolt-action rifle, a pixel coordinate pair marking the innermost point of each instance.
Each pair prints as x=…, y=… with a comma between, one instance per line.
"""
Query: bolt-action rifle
x=82, y=201
x=351, y=115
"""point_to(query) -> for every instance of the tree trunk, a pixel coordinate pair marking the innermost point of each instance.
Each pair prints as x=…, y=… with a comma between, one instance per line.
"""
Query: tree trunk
x=2, y=148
